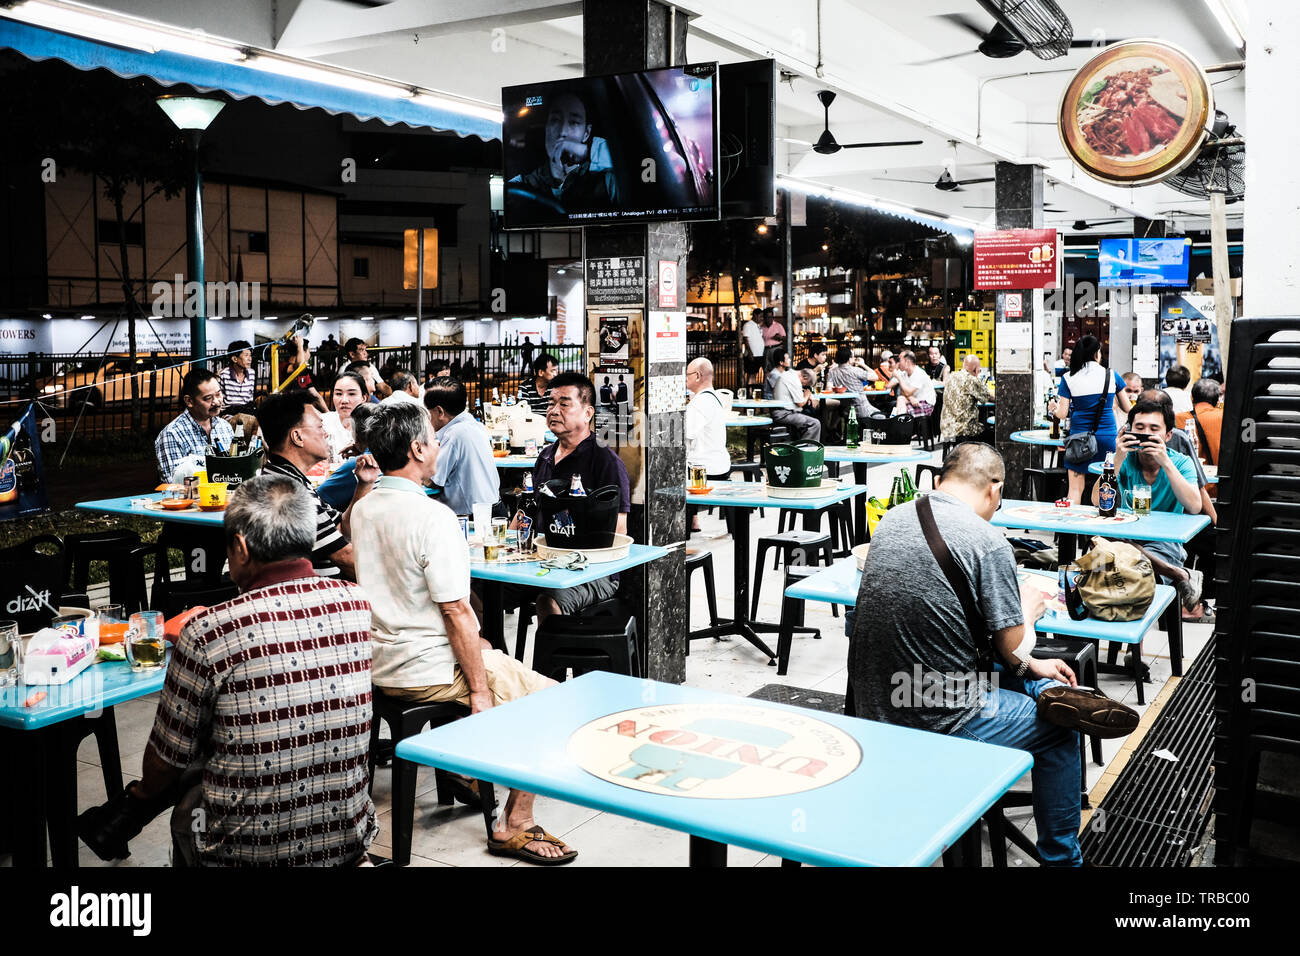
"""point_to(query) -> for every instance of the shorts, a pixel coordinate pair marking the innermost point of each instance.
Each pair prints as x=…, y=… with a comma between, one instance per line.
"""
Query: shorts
x=921, y=408
x=569, y=600
x=507, y=679
x=1170, y=552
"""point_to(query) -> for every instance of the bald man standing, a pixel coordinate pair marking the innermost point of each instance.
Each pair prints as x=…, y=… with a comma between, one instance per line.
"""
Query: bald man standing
x=706, y=426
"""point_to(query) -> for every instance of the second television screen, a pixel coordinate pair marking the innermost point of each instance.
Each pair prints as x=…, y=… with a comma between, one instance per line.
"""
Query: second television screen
x=623, y=148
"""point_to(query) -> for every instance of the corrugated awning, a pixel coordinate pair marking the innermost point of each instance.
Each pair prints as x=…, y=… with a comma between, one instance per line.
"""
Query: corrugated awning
x=238, y=81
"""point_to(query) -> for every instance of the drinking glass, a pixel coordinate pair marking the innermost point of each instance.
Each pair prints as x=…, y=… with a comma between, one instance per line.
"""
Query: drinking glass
x=491, y=549
x=1140, y=499
x=149, y=623
x=11, y=654
x=482, y=519
x=500, y=529
x=698, y=476
x=112, y=623
x=144, y=650
x=742, y=393
x=500, y=446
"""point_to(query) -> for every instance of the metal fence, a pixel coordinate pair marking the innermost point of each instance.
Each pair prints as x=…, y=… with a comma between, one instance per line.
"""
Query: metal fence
x=94, y=392
x=723, y=350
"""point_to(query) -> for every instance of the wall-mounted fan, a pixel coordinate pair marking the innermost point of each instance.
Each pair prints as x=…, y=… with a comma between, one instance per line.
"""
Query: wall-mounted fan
x=826, y=143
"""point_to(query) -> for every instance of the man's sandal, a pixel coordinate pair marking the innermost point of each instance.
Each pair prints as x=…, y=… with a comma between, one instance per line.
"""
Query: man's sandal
x=515, y=847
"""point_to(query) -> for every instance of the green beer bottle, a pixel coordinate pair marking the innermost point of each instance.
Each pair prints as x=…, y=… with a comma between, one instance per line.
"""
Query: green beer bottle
x=851, y=431
x=896, y=493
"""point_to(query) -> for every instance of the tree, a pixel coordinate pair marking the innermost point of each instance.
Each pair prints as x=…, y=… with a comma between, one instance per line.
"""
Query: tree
x=110, y=129
x=732, y=248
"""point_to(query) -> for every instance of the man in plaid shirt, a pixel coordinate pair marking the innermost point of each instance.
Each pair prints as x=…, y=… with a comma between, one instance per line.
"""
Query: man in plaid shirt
x=198, y=426
x=266, y=704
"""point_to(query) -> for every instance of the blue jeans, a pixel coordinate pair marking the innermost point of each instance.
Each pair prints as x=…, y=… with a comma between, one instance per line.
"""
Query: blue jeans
x=1010, y=719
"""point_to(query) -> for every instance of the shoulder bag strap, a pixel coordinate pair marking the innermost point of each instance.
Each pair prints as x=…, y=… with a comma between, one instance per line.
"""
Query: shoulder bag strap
x=1101, y=402
x=1205, y=441
x=957, y=581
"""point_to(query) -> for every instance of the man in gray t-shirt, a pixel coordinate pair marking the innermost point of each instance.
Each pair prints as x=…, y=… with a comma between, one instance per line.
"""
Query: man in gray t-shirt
x=913, y=658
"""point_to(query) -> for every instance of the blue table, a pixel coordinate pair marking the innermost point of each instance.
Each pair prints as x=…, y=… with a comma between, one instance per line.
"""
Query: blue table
x=742, y=494
x=516, y=461
x=1082, y=519
x=38, y=743
x=1039, y=436
x=748, y=421
x=839, y=584
x=122, y=506
x=760, y=403
x=1211, y=471
x=911, y=796
x=495, y=574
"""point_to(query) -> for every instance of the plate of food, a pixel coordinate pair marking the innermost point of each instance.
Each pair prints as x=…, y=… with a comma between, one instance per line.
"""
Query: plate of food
x=173, y=504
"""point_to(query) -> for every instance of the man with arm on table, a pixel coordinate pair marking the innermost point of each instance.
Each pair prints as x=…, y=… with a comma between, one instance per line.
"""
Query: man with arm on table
x=466, y=472
x=295, y=436
x=921, y=632
x=790, y=388
x=263, y=725
x=413, y=562
x=915, y=390
x=1143, y=457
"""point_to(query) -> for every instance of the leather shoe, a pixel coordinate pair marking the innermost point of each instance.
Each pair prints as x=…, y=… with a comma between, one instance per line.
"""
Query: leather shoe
x=1087, y=710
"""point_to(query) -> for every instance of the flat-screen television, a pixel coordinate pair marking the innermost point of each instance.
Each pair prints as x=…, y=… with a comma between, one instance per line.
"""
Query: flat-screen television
x=1149, y=263
x=747, y=138
x=631, y=147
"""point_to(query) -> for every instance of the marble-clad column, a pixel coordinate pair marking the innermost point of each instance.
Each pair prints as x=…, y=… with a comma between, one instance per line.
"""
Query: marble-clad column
x=624, y=36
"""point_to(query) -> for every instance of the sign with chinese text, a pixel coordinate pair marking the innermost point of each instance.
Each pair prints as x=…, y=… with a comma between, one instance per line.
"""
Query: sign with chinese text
x=618, y=281
x=1017, y=259
x=667, y=283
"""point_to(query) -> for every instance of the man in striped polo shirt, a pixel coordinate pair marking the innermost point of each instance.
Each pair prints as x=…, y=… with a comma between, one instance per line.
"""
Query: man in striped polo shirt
x=238, y=380
x=262, y=734
x=535, y=391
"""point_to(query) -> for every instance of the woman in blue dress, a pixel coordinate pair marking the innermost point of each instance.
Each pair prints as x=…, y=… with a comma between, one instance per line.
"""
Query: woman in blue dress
x=1080, y=392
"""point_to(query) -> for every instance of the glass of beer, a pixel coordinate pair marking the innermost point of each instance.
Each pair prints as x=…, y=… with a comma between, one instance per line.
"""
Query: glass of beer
x=1141, y=499
x=500, y=530
x=500, y=446
x=11, y=654
x=491, y=549
x=144, y=649
x=698, y=477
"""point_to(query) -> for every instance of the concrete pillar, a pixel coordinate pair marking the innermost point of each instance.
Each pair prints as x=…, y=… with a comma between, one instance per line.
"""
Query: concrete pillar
x=624, y=36
x=1271, y=261
x=1018, y=195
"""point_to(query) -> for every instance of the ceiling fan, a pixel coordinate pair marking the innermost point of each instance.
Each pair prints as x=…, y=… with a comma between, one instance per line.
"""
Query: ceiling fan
x=945, y=183
x=826, y=143
x=1039, y=26
x=1083, y=225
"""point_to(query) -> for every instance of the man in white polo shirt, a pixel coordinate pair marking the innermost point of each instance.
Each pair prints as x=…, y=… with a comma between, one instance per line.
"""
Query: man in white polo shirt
x=413, y=564
x=706, y=427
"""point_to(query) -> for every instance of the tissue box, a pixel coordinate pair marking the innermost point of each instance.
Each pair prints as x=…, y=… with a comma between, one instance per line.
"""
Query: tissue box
x=55, y=656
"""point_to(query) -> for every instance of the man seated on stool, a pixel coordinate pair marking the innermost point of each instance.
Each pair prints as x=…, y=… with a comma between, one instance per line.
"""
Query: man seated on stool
x=790, y=388
x=576, y=451
x=263, y=725
x=199, y=426
x=915, y=390
x=921, y=632
x=413, y=562
x=1143, y=457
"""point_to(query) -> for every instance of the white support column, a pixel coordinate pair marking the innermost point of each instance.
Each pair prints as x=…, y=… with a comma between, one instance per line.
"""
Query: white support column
x=1271, y=257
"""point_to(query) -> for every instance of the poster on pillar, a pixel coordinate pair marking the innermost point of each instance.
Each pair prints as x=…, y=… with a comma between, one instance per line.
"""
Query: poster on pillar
x=616, y=281
x=620, y=388
x=1017, y=259
x=1189, y=335
x=666, y=337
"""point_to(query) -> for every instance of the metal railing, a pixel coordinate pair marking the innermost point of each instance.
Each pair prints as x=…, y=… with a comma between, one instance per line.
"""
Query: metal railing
x=94, y=391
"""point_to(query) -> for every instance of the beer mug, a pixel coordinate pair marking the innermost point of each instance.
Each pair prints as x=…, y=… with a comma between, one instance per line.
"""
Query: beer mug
x=500, y=446
x=742, y=393
x=145, y=649
x=698, y=476
x=1138, y=499
x=212, y=495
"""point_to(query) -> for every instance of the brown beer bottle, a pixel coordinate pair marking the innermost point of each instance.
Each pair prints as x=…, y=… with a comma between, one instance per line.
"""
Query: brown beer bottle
x=1108, y=489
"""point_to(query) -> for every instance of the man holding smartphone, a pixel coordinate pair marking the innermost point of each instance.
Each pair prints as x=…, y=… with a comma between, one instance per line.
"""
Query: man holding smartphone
x=1143, y=457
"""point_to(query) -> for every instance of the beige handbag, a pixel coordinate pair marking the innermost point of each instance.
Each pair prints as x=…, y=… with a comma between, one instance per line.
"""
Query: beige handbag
x=1115, y=581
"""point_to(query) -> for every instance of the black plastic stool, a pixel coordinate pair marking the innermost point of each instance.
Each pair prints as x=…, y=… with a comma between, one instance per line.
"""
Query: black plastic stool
x=112, y=548
x=805, y=543
x=841, y=525
x=700, y=560
x=934, y=471
x=406, y=719
x=604, y=642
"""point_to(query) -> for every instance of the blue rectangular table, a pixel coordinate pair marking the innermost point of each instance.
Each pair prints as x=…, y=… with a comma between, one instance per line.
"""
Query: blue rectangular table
x=860, y=459
x=759, y=403
x=39, y=742
x=495, y=574
x=909, y=798
x=122, y=506
x=748, y=496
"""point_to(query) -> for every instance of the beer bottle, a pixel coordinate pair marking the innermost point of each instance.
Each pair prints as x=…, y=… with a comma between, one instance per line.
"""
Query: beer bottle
x=575, y=487
x=527, y=516
x=239, y=446
x=1108, y=489
x=1074, y=600
x=896, y=493
x=909, y=488
x=851, y=430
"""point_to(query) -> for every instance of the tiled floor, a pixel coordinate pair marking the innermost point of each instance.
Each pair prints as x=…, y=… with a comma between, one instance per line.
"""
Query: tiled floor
x=453, y=836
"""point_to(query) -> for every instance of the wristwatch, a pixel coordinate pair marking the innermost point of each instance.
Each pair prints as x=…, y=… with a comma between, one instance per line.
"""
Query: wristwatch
x=1023, y=668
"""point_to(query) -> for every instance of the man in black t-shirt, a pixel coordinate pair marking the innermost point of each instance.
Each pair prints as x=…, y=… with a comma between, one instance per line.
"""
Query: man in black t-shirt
x=576, y=451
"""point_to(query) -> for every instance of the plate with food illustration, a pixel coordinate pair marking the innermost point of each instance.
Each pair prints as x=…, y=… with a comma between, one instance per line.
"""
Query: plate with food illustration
x=1136, y=113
